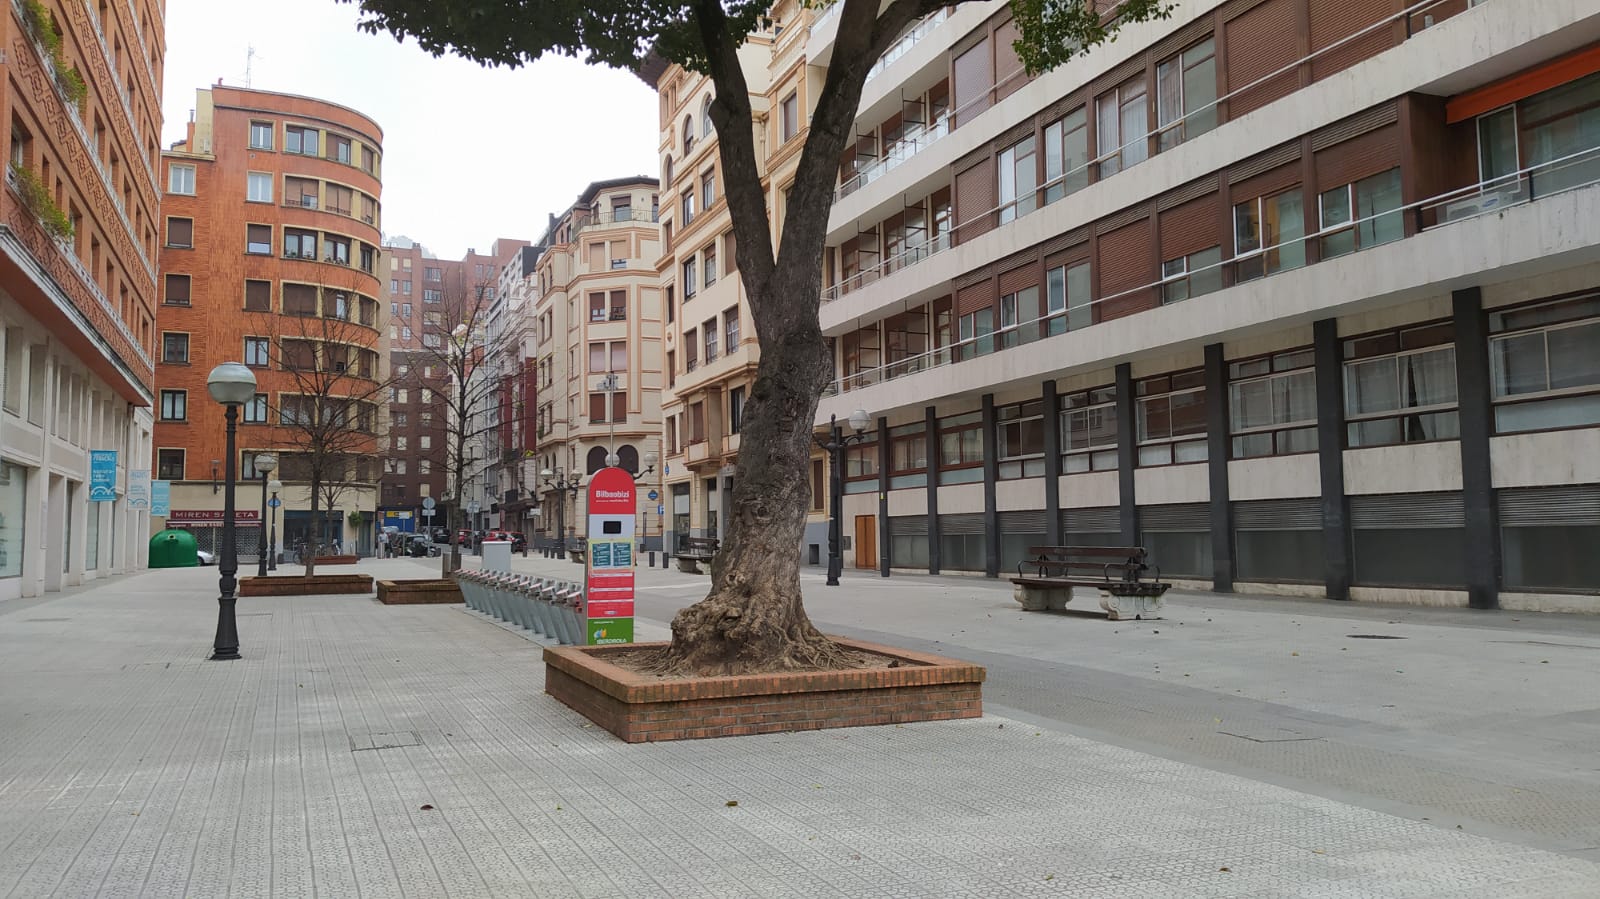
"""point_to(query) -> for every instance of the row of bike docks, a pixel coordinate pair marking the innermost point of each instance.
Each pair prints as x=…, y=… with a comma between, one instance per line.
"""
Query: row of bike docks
x=546, y=606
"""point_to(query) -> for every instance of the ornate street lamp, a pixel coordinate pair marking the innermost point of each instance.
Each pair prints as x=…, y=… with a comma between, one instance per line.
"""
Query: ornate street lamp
x=559, y=481
x=836, y=444
x=265, y=463
x=232, y=384
x=272, y=540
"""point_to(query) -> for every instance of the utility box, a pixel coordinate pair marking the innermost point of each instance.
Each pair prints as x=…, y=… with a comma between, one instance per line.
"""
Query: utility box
x=174, y=548
x=496, y=555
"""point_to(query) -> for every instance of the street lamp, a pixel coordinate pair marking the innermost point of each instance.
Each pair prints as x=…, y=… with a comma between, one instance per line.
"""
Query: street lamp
x=835, y=445
x=231, y=384
x=272, y=540
x=265, y=463
x=558, y=481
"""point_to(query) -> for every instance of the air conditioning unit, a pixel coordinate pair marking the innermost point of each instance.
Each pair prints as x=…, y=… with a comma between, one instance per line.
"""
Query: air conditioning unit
x=1487, y=201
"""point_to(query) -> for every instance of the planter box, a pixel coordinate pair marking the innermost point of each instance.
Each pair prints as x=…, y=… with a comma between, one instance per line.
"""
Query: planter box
x=316, y=585
x=337, y=560
x=418, y=592
x=642, y=708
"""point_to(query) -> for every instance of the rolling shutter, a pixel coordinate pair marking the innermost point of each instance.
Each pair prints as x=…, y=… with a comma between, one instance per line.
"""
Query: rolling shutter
x=1550, y=506
x=972, y=77
x=961, y=524
x=1025, y=522
x=1335, y=20
x=1008, y=74
x=1371, y=153
x=1124, y=259
x=1261, y=42
x=909, y=526
x=977, y=194
x=975, y=298
x=1407, y=510
x=1107, y=520
x=1175, y=517
x=1278, y=515
x=1190, y=228
x=1023, y=276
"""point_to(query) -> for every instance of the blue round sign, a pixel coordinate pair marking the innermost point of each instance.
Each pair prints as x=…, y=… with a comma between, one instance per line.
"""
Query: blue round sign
x=274, y=502
x=654, y=496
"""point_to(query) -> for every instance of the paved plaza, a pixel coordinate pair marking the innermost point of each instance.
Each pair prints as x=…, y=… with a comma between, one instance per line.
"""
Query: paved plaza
x=360, y=749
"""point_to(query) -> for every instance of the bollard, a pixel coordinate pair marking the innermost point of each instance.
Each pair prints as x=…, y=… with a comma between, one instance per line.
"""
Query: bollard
x=652, y=559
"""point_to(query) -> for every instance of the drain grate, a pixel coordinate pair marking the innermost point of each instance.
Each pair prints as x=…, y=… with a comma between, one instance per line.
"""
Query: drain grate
x=1374, y=637
x=384, y=740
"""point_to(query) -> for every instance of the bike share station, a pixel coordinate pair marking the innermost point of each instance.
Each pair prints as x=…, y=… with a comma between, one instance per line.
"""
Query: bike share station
x=608, y=564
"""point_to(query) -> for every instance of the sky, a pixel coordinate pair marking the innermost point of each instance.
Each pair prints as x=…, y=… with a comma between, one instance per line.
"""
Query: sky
x=470, y=154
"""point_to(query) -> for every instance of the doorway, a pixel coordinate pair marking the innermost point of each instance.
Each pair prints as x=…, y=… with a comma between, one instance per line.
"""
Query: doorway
x=866, y=542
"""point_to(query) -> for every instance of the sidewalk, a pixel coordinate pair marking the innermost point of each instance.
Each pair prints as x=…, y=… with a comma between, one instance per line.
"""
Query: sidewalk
x=129, y=765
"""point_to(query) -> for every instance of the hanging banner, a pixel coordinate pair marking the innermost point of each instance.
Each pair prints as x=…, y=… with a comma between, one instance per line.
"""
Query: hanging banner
x=102, y=476
x=608, y=564
x=160, y=498
x=139, y=489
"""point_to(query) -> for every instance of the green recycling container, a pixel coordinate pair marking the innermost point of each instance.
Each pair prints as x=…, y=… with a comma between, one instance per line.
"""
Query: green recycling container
x=174, y=548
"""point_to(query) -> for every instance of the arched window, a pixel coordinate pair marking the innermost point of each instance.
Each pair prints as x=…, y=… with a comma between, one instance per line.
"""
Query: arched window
x=628, y=459
x=597, y=459
x=688, y=134
x=666, y=172
x=705, y=117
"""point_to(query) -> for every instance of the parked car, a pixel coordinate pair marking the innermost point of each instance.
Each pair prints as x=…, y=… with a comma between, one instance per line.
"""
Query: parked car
x=206, y=557
x=519, y=542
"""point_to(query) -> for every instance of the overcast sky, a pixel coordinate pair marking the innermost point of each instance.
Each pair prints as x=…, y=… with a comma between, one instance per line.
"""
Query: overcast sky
x=470, y=154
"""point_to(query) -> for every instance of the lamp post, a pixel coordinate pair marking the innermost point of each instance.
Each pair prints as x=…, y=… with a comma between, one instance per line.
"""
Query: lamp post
x=558, y=481
x=231, y=384
x=836, y=444
x=272, y=539
x=265, y=463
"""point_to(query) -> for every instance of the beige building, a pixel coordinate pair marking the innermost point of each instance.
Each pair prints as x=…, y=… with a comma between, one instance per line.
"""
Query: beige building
x=711, y=352
x=598, y=328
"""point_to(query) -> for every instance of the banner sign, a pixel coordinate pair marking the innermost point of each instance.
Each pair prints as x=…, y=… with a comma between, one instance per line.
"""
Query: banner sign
x=102, y=476
x=211, y=517
x=139, y=489
x=160, y=498
x=608, y=565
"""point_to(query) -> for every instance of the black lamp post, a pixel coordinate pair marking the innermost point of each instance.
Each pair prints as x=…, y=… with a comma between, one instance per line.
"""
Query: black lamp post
x=231, y=384
x=558, y=481
x=265, y=463
x=836, y=444
x=272, y=539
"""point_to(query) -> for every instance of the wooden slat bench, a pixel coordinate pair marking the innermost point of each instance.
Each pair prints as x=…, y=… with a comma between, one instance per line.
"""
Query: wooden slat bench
x=696, y=550
x=1045, y=581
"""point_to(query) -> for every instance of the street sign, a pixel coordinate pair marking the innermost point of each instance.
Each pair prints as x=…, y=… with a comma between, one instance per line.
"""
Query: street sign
x=474, y=507
x=139, y=489
x=274, y=502
x=102, y=476
x=653, y=495
x=661, y=508
x=608, y=563
x=428, y=503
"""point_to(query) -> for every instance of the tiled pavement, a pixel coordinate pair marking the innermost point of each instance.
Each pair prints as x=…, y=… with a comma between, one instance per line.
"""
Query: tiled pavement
x=129, y=765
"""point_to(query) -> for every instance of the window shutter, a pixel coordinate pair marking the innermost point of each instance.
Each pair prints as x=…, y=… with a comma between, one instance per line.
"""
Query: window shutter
x=1190, y=228
x=619, y=406
x=1008, y=72
x=977, y=195
x=180, y=232
x=977, y=297
x=1124, y=259
x=1335, y=20
x=1266, y=184
x=1550, y=506
x=597, y=407
x=1018, y=278
x=1107, y=520
x=907, y=525
x=1278, y=515
x=971, y=82
x=1407, y=510
x=1175, y=517
x=1260, y=42
x=597, y=257
x=961, y=524
x=1369, y=154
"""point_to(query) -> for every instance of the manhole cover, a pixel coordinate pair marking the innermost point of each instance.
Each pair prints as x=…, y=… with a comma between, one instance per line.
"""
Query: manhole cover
x=388, y=740
x=1374, y=637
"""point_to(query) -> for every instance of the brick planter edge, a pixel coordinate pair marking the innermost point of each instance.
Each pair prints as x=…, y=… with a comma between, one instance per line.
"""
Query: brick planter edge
x=419, y=592
x=316, y=585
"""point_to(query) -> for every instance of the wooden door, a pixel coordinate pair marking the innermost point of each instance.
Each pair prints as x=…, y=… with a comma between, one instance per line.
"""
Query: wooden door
x=867, y=542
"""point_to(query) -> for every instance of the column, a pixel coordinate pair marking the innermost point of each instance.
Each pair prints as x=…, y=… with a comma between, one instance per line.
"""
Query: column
x=1052, y=465
x=1482, y=513
x=1217, y=446
x=1127, y=455
x=991, y=475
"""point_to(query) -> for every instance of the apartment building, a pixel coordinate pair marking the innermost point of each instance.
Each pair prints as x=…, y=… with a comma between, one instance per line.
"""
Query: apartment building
x=598, y=360
x=711, y=352
x=510, y=497
x=78, y=226
x=1303, y=295
x=271, y=256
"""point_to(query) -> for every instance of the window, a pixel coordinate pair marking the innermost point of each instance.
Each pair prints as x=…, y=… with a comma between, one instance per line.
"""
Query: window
x=597, y=408
x=708, y=260
x=1559, y=132
x=1544, y=368
x=691, y=344
x=405, y=288
x=1122, y=120
x=369, y=257
x=174, y=348
x=1170, y=414
x=180, y=179
x=300, y=140
x=1019, y=180
x=169, y=464
x=1067, y=303
x=1272, y=405
x=1088, y=425
x=180, y=232
x=258, y=239
x=255, y=411
x=688, y=135
x=339, y=149
x=1192, y=275
x=1019, y=314
x=369, y=159
x=174, y=405
x=261, y=135
x=1267, y=235
x=298, y=244
x=816, y=485
x=961, y=448
x=431, y=296
x=708, y=336
x=688, y=206
x=597, y=358
x=735, y=410
x=1400, y=386
x=619, y=305
x=688, y=279
x=258, y=187
x=336, y=249
x=1066, y=155
x=977, y=334
x=256, y=350
x=258, y=296
x=708, y=189
x=299, y=299
x=1375, y=202
x=1019, y=440
x=790, y=117
x=597, y=307
x=1186, y=94
x=705, y=116
x=425, y=442
x=177, y=290
x=619, y=355
x=730, y=325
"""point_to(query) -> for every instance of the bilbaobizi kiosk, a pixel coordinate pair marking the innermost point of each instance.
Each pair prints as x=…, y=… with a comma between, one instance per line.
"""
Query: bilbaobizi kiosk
x=608, y=569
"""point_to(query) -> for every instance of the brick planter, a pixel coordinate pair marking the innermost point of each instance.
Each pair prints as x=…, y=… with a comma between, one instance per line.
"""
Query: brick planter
x=337, y=560
x=316, y=585
x=418, y=592
x=642, y=708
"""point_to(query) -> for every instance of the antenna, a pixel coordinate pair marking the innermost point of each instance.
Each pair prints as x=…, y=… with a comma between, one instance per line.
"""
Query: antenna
x=249, y=63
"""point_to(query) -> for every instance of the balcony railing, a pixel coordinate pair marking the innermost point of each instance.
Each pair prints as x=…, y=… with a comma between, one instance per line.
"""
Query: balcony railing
x=621, y=215
x=1079, y=173
x=908, y=40
x=909, y=145
x=1557, y=176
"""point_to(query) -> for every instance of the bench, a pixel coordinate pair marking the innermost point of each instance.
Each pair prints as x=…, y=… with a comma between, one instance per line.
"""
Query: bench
x=577, y=547
x=696, y=550
x=1045, y=581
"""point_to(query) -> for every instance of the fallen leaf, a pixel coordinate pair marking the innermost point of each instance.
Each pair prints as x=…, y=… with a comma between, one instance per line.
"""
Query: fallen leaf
x=1318, y=852
x=1049, y=877
x=731, y=803
x=1544, y=661
x=1294, y=653
x=427, y=808
x=1225, y=870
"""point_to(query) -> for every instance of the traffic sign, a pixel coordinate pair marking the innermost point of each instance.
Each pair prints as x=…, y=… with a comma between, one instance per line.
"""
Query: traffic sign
x=428, y=503
x=473, y=507
x=661, y=509
x=274, y=502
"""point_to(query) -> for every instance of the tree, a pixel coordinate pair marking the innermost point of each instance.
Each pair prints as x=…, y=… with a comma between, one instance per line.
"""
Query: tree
x=753, y=619
x=329, y=416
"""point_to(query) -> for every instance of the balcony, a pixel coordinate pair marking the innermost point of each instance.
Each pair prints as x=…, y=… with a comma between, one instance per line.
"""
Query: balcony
x=621, y=215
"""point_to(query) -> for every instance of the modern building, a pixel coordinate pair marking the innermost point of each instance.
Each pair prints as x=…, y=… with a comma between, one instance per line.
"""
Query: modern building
x=271, y=256
x=1303, y=295
x=78, y=240
x=511, y=480
x=711, y=353
x=598, y=363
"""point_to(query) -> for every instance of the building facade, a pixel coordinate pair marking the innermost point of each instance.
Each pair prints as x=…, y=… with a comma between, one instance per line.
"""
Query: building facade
x=272, y=256
x=598, y=361
x=1303, y=295
x=78, y=242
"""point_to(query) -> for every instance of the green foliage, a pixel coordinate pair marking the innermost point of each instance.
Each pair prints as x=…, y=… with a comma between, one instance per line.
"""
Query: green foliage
x=1054, y=31
x=37, y=200
x=72, y=83
x=355, y=518
x=42, y=25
